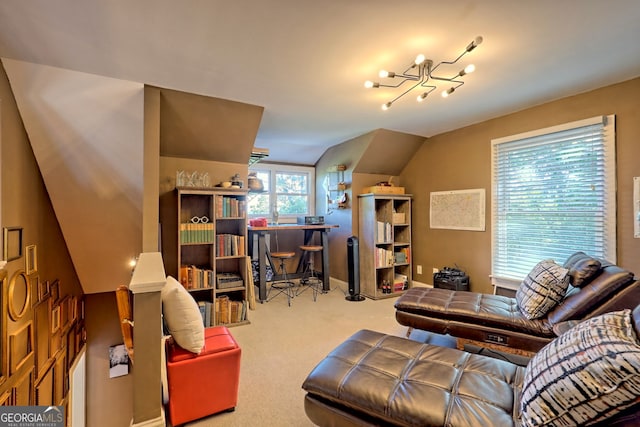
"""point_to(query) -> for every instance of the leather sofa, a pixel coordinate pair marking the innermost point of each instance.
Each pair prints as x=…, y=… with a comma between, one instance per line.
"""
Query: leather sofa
x=373, y=379
x=595, y=287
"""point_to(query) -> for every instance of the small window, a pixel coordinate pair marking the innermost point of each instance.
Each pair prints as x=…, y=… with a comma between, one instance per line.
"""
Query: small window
x=288, y=190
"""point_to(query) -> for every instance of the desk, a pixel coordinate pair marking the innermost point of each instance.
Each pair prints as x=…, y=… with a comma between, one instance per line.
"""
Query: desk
x=264, y=255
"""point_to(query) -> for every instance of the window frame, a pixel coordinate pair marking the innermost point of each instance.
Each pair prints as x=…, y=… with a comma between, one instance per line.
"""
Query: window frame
x=277, y=168
x=609, y=194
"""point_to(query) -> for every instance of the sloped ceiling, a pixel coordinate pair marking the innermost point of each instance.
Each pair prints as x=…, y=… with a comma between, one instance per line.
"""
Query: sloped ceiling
x=86, y=132
x=388, y=152
x=205, y=128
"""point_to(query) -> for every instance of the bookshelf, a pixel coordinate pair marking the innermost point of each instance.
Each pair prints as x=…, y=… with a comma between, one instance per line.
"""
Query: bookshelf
x=385, y=244
x=212, y=252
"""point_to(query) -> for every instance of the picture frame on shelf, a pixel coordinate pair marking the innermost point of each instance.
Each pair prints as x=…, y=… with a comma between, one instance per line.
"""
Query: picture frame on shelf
x=31, y=259
x=12, y=247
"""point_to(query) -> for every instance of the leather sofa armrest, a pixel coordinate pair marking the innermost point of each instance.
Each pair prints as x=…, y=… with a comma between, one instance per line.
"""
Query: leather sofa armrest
x=562, y=327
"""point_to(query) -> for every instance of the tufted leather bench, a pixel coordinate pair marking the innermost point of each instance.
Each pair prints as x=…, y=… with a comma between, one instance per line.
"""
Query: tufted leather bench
x=378, y=379
x=373, y=379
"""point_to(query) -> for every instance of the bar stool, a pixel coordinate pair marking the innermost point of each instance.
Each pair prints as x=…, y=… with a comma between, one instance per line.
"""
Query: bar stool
x=284, y=286
x=310, y=277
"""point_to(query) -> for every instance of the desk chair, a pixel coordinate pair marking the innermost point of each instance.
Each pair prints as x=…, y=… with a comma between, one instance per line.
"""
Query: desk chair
x=284, y=286
x=310, y=277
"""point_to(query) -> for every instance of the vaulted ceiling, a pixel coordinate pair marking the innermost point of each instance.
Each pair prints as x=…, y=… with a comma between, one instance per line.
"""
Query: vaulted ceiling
x=305, y=63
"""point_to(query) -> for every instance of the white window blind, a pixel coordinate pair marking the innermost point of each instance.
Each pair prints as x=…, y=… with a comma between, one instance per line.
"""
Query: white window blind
x=553, y=195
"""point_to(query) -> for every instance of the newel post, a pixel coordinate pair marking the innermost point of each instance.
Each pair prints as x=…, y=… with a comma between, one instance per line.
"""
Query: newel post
x=146, y=283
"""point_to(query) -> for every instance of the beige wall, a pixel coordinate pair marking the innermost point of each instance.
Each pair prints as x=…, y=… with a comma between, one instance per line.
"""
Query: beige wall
x=25, y=203
x=461, y=160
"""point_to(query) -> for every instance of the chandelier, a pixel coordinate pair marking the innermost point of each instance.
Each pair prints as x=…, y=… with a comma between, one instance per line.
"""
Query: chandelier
x=420, y=73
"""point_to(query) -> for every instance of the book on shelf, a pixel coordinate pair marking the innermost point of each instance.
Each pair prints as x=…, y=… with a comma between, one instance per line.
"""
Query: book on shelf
x=402, y=256
x=229, y=311
x=205, y=311
x=400, y=282
x=383, y=232
x=230, y=207
x=229, y=245
x=196, y=232
x=383, y=257
x=192, y=277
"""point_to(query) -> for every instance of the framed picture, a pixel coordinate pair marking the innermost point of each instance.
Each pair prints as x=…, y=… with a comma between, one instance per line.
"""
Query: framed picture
x=12, y=248
x=55, y=319
x=73, y=309
x=21, y=347
x=19, y=295
x=41, y=316
x=3, y=328
x=43, y=290
x=55, y=290
x=64, y=312
x=31, y=259
x=118, y=361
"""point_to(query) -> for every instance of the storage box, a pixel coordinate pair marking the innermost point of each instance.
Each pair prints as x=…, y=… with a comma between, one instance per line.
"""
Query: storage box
x=398, y=218
x=383, y=189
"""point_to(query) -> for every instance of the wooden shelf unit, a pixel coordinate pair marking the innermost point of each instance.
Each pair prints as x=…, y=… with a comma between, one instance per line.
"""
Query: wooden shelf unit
x=384, y=234
x=212, y=243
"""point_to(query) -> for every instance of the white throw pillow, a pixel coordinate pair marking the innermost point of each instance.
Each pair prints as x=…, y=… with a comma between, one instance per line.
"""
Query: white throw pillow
x=182, y=316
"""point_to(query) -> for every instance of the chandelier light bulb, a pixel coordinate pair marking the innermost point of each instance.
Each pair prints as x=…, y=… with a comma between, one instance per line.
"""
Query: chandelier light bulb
x=474, y=44
x=384, y=73
x=419, y=59
x=369, y=84
x=446, y=93
x=386, y=106
x=421, y=97
x=469, y=69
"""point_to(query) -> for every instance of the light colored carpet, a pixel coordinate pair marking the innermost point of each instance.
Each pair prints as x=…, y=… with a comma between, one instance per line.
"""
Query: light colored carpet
x=283, y=344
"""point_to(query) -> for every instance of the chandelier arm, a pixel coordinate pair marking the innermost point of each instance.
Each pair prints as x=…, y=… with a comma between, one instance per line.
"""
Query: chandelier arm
x=406, y=91
x=401, y=82
x=444, y=78
x=432, y=87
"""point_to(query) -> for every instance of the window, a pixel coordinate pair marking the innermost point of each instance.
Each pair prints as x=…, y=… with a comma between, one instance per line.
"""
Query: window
x=289, y=190
x=553, y=195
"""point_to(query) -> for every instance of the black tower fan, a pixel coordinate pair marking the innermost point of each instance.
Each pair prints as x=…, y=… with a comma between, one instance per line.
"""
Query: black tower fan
x=353, y=264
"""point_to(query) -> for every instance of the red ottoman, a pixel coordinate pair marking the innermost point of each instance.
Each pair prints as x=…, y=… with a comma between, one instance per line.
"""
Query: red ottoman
x=206, y=383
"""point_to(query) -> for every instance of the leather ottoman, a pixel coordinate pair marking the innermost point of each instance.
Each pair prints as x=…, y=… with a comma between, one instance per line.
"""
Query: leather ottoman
x=373, y=379
x=206, y=383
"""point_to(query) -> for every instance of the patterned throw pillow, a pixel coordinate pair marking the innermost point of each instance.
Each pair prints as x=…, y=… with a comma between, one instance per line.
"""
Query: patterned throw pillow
x=542, y=289
x=586, y=375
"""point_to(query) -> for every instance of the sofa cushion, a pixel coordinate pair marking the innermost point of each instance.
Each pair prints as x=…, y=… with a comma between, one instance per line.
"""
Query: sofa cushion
x=542, y=289
x=182, y=316
x=582, y=269
x=588, y=374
